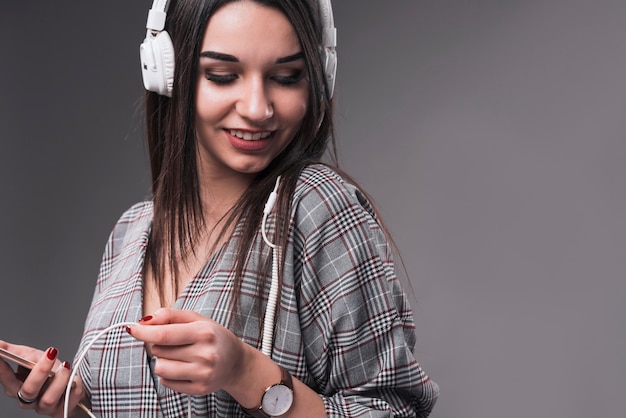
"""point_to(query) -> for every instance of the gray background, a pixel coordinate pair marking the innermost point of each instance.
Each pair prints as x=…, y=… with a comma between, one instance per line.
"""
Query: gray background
x=491, y=134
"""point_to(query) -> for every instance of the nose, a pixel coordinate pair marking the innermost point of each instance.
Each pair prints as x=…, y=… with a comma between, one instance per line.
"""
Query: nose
x=254, y=103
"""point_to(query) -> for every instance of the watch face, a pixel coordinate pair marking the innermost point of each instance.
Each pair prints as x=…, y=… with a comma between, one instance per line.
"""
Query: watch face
x=277, y=400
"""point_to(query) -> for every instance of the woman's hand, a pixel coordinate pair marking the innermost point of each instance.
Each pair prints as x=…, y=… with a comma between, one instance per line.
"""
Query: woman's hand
x=42, y=393
x=195, y=355
x=198, y=356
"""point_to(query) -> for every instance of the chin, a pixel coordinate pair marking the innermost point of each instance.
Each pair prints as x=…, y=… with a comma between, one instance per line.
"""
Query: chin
x=251, y=167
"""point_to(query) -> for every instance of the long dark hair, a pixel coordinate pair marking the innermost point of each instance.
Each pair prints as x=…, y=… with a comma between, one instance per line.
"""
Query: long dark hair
x=178, y=215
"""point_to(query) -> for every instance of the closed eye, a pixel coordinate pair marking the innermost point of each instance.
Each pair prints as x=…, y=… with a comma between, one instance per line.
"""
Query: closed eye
x=220, y=79
x=290, y=79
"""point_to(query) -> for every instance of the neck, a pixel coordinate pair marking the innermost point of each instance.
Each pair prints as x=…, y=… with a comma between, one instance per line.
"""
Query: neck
x=219, y=193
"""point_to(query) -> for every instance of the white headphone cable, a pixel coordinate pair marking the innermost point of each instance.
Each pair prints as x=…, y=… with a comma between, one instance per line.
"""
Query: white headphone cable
x=268, y=323
x=80, y=358
x=270, y=310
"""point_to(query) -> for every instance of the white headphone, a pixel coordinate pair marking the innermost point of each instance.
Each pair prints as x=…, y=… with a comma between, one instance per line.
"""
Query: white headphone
x=329, y=45
x=157, y=51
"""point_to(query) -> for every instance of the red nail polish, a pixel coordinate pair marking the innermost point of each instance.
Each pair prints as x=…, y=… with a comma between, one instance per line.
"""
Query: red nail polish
x=52, y=353
x=128, y=330
x=146, y=318
x=67, y=365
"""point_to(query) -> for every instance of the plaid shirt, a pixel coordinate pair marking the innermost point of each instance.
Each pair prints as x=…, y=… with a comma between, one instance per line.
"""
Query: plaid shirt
x=344, y=326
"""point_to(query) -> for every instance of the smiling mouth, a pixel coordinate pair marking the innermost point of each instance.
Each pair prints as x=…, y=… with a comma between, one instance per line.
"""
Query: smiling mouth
x=249, y=136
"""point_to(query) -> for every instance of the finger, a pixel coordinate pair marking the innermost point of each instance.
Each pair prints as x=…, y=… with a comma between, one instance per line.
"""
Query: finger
x=11, y=379
x=39, y=375
x=77, y=395
x=186, y=377
x=6, y=345
x=188, y=387
x=55, y=390
x=171, y=316
x=199, y=356
x=170, y=334
x=24, y=351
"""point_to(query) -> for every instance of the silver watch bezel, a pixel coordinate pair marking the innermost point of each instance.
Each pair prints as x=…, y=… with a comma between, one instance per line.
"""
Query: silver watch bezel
x=278, y=392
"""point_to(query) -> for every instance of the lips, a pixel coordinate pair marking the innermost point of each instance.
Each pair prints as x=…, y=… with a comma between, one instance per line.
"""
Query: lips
x=249, y=136
x=246, y=141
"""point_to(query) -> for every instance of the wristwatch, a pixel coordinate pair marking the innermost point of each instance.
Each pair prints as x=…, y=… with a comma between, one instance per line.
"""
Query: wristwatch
x=276, y=399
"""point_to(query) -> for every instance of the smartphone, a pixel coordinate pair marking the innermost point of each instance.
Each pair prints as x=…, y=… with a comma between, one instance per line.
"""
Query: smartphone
x=23, y=365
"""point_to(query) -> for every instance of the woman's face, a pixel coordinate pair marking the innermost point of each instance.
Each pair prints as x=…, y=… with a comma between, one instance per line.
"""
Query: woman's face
x=252, y=89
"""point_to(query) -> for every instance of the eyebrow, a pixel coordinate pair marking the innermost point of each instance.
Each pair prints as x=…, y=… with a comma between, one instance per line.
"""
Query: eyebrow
x=295, y=57
x=231, y=58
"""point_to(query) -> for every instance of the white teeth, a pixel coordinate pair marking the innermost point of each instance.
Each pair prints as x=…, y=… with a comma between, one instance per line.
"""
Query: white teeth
x=248, y=136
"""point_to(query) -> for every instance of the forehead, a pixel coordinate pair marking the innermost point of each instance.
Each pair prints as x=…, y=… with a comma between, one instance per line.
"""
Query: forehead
x=245, y=28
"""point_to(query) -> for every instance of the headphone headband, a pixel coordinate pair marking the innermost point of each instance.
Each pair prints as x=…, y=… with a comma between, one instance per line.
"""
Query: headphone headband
x=157, y=15
x=157, y=51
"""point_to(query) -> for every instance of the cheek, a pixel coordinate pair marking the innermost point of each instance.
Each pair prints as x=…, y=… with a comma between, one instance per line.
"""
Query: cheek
x=295, y=110
x=210, y=104
x=205, y=109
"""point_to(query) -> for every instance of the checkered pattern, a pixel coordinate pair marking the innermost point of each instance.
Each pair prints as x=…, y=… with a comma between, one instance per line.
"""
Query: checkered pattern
x=344, y=327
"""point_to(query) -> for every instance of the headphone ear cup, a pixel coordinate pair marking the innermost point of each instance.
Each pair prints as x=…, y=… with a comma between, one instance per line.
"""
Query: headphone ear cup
x=157, y=63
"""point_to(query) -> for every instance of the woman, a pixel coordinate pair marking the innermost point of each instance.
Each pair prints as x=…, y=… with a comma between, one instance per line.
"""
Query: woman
x=244, y=110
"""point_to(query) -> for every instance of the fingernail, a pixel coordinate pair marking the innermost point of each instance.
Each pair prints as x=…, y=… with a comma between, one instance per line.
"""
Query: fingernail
x=67, y=365
x=52, y=353
x=128, y=330
x=146, y=318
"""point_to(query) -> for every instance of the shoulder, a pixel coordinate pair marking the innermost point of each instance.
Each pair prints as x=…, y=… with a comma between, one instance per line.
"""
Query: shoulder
x=132, y=227
x=136, y=212
x=126, y=240
x=137, y=216
x=323, y=184
x=322, y=192
x=320, y=179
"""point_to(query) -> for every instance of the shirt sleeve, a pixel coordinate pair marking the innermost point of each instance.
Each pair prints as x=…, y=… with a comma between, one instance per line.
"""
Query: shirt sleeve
x=357, y=326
